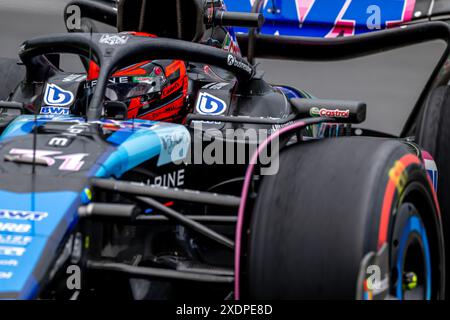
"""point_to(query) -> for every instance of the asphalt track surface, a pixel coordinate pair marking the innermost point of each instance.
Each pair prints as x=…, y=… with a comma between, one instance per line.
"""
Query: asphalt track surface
x=390, y=83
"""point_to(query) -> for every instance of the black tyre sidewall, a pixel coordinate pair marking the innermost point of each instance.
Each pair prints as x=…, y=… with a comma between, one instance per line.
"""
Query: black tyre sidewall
x=433, y=135
x=315, y=221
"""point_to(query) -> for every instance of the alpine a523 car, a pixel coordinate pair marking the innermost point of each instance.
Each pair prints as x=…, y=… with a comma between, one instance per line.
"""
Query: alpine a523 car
x=170, y=168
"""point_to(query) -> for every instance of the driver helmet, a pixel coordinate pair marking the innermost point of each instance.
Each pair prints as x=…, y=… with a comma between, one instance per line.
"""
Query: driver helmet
x=152, y=90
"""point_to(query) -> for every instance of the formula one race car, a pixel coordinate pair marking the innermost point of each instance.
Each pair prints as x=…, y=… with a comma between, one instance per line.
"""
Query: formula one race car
x=260, y=191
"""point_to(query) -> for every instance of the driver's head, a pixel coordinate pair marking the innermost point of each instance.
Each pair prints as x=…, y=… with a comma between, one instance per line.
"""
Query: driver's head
x=152, y=90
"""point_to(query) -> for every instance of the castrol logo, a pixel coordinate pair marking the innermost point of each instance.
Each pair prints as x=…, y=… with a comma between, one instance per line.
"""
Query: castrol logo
x=323, y=112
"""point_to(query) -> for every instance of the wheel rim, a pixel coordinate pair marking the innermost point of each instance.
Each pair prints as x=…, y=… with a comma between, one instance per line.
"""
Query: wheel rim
x=413, y=265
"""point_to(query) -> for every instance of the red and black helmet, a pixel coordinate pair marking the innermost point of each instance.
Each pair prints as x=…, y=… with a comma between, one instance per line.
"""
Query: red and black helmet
x=152, y=90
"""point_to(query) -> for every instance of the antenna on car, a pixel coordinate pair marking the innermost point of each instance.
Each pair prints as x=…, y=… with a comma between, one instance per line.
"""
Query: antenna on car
x=33, y=170
x=87, y=76
x=252, y=32
x=35, y=126
x=35, y=122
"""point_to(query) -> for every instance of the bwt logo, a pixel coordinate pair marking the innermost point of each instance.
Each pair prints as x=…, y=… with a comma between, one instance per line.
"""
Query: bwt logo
x=55, y=110
x=55, y=96
x=210, y=105
x=22, y=215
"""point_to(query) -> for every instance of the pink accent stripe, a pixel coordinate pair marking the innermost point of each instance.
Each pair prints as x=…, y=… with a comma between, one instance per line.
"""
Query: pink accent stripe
x=248, y=177
x=409, y=10
x=347, y=27
x=303, y=8
x=407, y=14
x=426, y=155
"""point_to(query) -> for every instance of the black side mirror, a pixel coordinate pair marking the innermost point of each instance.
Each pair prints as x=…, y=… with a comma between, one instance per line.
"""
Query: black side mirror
x=12, y=105
x=115, y=110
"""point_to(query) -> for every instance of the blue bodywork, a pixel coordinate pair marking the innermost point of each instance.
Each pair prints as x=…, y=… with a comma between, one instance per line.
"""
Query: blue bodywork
x=33, y=224
x=327, y=18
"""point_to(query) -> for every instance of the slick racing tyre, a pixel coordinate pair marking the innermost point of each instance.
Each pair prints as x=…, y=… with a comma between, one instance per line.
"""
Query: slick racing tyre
x=10, y=75
x=433, y=135
x=346, y=218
